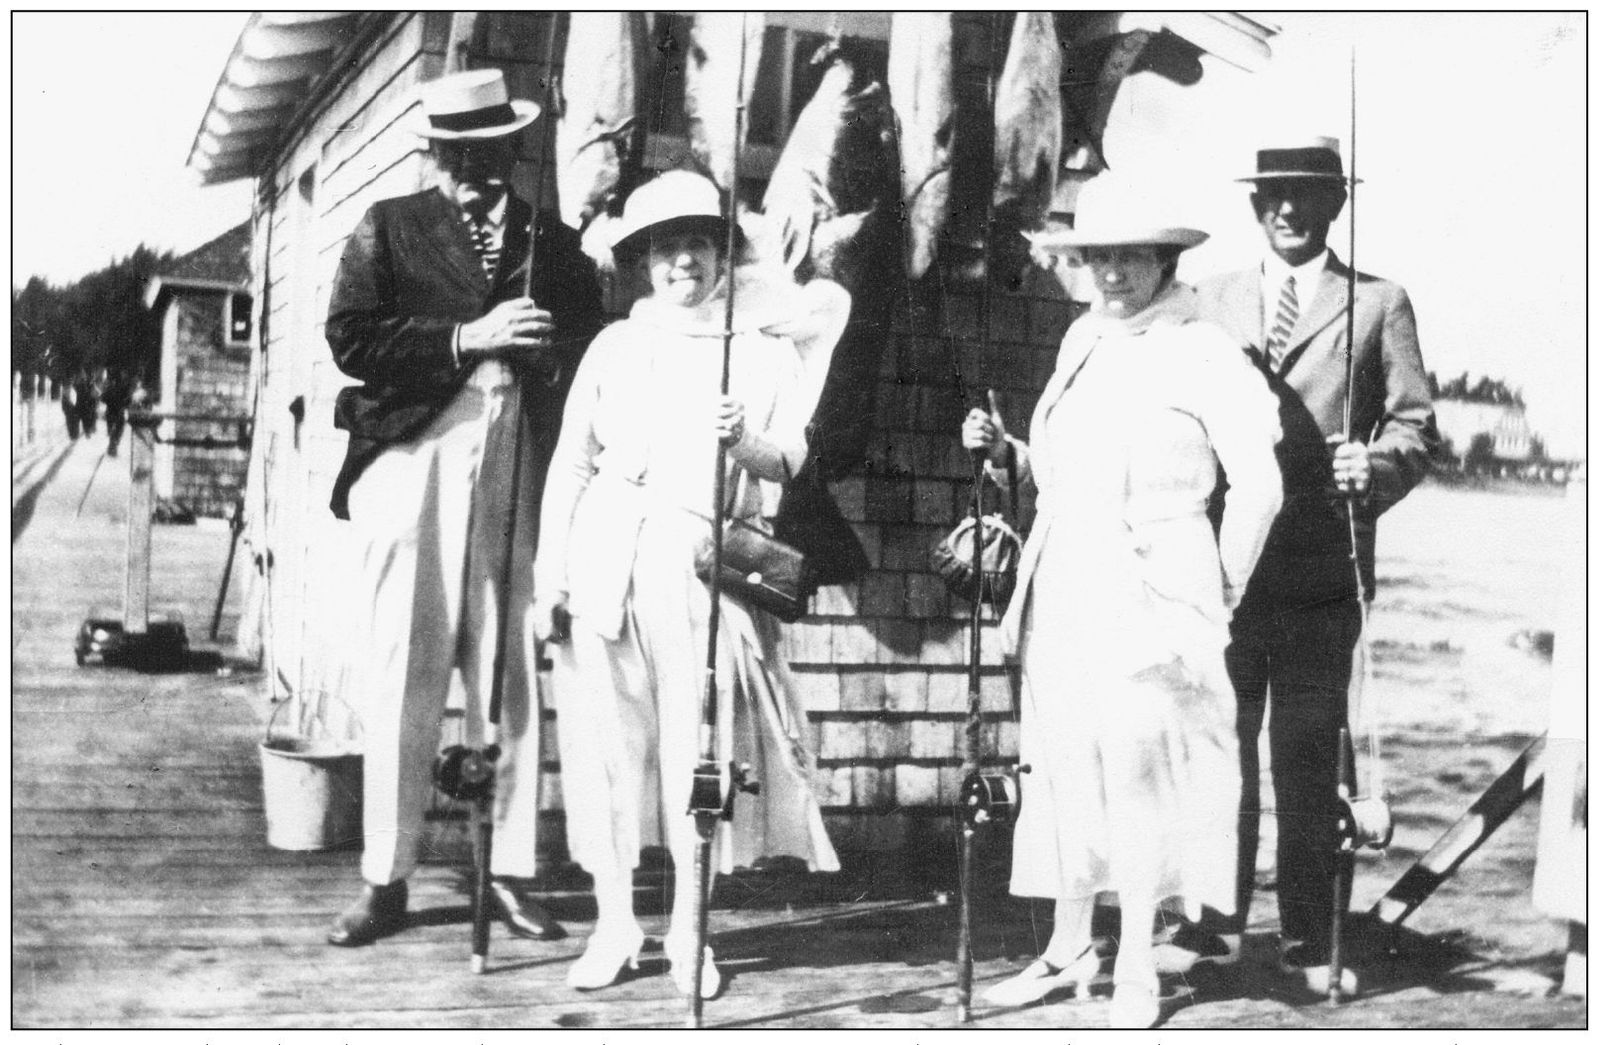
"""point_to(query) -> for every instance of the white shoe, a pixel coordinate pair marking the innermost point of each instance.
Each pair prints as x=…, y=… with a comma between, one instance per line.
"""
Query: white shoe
x=1040, y=979
x=677, y=951
x=609, y=951
x=1135, y=1005
x=1314, y=978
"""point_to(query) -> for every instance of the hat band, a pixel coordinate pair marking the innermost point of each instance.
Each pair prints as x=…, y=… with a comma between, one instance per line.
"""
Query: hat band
x=475, y=120
x=1312, y=161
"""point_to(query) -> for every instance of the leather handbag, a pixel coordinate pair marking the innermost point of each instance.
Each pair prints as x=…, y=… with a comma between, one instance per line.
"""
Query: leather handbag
x=953, y=558
x=758, y=568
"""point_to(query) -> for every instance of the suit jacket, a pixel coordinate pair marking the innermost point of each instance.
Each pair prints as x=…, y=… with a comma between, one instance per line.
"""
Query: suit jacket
x=1307, y=558
x=409, y=274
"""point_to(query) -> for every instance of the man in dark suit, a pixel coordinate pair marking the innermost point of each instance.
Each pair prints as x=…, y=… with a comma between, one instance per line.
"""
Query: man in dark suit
x=1295, y=633
x=463, y=379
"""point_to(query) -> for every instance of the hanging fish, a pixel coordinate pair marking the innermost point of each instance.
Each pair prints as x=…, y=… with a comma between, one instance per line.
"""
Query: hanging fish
x=467, y=30
x=921, y=75
x=1027, y=115
x=710, y=83
x=599, y=133
x=831, y=211
x=835, y=176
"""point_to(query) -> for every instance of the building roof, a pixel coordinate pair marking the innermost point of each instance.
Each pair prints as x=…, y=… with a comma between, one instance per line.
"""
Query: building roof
x=223, y=263
x=281, y=57
x=226, y=257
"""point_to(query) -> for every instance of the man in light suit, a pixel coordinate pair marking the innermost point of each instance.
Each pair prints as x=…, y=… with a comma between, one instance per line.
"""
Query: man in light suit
x=430, y=311
x=1294, y=635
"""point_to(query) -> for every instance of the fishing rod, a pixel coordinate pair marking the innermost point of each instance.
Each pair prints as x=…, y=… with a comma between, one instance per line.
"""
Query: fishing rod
x=1361, y=821
x=711, y=796
x=982, y=797
x=464, y=772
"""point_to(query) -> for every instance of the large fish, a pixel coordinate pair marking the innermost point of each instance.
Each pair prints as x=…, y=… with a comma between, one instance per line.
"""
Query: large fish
x=713, y=76
x=921, y=75
x=600, y=131
x=1027, y=115
x=831, y=211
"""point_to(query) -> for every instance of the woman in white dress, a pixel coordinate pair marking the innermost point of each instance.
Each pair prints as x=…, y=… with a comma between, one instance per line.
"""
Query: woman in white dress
x=627, y=504
x=1121, y=611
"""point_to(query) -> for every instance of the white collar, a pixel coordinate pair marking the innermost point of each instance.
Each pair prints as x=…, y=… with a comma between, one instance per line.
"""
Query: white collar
x=1274, y=270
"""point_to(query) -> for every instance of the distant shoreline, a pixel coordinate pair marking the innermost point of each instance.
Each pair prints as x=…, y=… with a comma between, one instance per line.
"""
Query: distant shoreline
x=1492, y=484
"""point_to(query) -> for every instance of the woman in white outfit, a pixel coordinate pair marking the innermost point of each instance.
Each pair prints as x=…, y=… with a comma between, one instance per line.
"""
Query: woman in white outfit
x=1121, y=611
x=629, y=505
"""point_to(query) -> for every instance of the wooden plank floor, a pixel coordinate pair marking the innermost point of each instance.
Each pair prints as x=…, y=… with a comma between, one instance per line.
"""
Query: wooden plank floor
x=144, y=893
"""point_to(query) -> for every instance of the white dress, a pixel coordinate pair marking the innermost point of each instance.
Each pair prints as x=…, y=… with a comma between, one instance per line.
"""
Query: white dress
x=1127, y=716
x=627, y=503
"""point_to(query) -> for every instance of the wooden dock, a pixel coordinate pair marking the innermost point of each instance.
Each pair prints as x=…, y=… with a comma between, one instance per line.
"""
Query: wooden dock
x=145, y=895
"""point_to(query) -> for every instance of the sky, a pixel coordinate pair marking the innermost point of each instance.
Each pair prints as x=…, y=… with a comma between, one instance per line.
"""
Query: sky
x=112, y=134
x=1465, y=121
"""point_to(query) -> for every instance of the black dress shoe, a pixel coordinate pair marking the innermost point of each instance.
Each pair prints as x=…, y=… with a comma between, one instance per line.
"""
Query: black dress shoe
x=380, y=910
x=524, y=917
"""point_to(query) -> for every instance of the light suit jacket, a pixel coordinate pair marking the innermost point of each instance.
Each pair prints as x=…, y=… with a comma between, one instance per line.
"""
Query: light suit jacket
x=1307, y=558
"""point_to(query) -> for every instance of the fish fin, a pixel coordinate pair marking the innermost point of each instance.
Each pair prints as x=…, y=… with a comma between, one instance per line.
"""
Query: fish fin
x=613, y=134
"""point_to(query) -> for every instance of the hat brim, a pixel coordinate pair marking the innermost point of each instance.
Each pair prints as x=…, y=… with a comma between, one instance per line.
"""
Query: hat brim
x=526, y=112
x=634, y=242
x=1299, y=176
x=1065, y=241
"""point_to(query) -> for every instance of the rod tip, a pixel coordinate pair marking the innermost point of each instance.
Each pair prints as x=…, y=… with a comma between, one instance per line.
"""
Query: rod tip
x=479, y=964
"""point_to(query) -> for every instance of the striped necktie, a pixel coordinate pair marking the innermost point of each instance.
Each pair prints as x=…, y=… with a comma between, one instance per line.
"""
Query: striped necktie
x=486, y=246
x=1283, y=322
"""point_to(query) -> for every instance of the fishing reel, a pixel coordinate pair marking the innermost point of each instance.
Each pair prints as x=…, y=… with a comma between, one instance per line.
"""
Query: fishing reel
x=712, y=794
x=1363, y=823
x=991, y=798
x=465, y=773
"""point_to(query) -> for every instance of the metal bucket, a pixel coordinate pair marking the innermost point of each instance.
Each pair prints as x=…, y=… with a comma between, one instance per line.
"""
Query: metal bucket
x=313, y=793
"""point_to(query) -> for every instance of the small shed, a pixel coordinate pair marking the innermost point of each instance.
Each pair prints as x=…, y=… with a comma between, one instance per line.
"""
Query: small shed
x=204, y=299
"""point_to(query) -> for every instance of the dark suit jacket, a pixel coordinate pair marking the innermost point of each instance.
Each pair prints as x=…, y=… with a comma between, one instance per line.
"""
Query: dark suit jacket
x=408, y=275
x=1307, y=558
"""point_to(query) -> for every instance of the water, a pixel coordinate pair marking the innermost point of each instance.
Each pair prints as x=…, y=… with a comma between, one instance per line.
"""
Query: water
x=1465, y=578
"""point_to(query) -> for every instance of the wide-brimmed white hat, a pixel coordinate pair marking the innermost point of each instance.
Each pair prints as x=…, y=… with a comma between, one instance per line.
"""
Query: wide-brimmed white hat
x=1115, y=233
x=473, y=104
x=677, y=201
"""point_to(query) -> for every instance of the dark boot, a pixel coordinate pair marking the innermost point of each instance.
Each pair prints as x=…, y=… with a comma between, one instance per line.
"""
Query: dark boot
x=380, y=910
x=524, y=917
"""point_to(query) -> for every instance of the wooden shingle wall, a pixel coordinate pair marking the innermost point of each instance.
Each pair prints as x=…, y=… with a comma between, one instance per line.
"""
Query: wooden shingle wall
x=212, y=379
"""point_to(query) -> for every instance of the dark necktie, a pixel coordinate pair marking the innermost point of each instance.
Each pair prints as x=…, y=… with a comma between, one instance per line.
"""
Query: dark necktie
x=486, y=246
x=1283, y=322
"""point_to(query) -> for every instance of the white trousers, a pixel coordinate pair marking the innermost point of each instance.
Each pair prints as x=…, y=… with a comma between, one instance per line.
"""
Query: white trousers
x=433, y=513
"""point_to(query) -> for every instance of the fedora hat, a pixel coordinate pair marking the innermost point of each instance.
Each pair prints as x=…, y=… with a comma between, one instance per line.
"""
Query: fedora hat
x=474, y=104
x=677, y=201
x=1313, y=158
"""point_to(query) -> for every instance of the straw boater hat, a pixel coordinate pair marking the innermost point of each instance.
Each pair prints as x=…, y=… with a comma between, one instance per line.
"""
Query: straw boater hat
x=1312, y=158
x=677, y=201
x=470, y=105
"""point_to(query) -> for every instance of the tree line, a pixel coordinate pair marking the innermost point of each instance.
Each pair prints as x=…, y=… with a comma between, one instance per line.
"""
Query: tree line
x=1476, y=390
x=97, y=322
